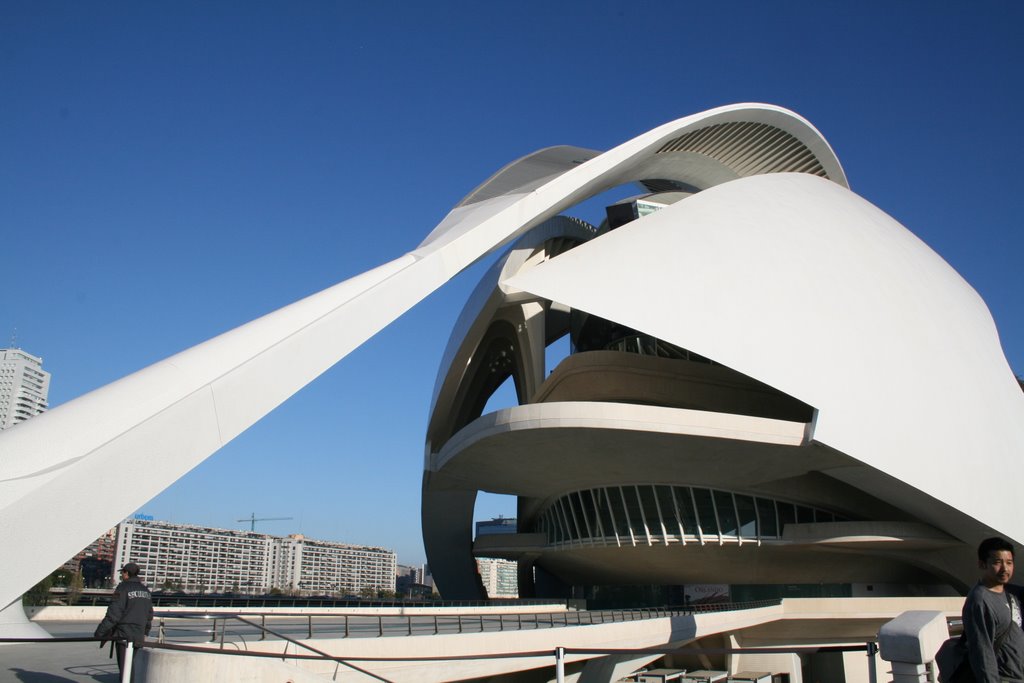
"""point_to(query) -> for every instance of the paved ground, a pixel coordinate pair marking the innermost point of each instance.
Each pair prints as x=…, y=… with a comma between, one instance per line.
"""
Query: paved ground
x=56, y=663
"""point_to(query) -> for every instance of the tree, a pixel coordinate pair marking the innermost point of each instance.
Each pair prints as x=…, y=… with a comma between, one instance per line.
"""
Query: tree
x=75, y=586
x=39, y=594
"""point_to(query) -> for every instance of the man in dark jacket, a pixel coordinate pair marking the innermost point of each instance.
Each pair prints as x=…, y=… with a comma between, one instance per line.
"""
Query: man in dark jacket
x=130, y=615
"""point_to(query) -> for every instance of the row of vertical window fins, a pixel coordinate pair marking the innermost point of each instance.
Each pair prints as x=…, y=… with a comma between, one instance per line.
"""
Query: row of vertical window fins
x=647, y=513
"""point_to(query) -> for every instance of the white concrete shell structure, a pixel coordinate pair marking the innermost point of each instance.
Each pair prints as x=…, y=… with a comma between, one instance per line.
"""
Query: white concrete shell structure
x=941, y=399
x=814, y=384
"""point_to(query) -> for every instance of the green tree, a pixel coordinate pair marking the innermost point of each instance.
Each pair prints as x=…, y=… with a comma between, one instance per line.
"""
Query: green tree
x=39, y=594
x=75, y=586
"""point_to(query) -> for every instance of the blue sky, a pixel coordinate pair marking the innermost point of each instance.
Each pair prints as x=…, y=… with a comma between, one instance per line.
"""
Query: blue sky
x=170, y=171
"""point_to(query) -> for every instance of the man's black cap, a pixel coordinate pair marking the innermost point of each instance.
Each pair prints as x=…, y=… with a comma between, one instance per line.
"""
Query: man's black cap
x=131, y=568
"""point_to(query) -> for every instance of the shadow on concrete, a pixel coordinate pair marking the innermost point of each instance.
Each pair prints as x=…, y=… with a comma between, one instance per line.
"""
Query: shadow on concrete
x=76, y=674
x=101, y=674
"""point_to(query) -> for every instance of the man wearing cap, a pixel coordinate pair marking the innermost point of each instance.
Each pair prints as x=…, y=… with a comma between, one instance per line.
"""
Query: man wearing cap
x=130, y=614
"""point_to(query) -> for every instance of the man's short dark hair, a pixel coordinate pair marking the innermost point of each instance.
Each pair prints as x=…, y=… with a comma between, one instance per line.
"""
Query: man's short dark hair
x=993, y=545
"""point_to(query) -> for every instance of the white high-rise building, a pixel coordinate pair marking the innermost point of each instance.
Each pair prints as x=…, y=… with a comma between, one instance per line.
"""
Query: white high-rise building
x=24, y=386
x=196, y=558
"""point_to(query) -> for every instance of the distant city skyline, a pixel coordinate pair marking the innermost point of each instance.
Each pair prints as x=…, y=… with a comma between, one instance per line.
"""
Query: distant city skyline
x=173, y=172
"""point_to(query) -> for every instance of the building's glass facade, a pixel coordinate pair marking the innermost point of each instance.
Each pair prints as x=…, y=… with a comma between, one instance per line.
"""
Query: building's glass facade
x=648, y=514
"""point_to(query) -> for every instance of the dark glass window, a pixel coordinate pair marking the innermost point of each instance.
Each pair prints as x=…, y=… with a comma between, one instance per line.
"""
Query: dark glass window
x=726, y=513
x=687, y=516
x=570, y=527
x=604, y=511
x=804, y=515
x=591, y=506
x=636, y=520
x=766, y=511
x=668, y=510
x=619, y=513
x=705, y=512
x=787, y=515
x=650, y=509
x=586, y=513
x=748, y=517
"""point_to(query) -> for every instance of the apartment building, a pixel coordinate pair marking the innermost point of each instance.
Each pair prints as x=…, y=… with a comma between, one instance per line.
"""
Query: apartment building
x=205, y=559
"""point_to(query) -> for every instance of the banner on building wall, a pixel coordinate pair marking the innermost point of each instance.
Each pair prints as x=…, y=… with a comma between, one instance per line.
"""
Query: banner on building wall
x=706, y=593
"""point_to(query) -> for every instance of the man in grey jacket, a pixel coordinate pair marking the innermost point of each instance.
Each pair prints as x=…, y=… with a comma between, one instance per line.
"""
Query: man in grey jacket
x=992, y=618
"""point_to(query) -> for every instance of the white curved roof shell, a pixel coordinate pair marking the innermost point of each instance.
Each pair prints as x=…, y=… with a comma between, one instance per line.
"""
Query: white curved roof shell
x=801, y=284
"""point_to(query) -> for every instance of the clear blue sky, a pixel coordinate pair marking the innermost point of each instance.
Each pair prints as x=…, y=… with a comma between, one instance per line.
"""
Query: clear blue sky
x=169, y=171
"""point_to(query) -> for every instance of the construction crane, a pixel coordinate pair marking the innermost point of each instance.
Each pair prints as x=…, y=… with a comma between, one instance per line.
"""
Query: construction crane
x=252, y=519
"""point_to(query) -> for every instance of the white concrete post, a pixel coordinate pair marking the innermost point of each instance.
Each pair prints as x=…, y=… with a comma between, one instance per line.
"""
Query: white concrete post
x=909, y=642
x=126, y=672
x=560, y=665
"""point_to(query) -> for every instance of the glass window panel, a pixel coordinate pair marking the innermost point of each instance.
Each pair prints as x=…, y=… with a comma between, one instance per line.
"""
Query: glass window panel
x=618, y=513
x=633, y=510
x=787, y=515
x=748, y=517
x=687, y=516
x=650, y=509
x=766, y=511
x=804, y=515
x=570, y=525
x=589, y=513
x=576, y=510
x=726, y=513
x=560, y=518
x=705, y=512
x=604, y=512
x=668, y=510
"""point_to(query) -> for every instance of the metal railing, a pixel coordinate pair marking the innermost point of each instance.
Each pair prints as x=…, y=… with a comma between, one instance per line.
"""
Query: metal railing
x=215, y=625
x=101, y=598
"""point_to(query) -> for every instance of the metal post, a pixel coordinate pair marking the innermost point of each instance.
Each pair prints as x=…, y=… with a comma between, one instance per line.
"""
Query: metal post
x=560, y=665
x=872, y=673
x=263, y=627
x=126, y=673
x=380, y=625
x=310, y=624
x=346, y=626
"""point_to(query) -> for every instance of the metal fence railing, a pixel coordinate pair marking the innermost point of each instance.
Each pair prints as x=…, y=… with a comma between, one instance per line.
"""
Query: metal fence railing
x=224, y=626
x=557, y=655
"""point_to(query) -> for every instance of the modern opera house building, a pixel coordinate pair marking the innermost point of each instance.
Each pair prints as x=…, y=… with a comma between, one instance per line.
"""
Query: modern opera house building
x=769, y=383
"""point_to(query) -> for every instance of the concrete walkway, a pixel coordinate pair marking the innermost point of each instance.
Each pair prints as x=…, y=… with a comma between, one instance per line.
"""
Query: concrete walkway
x=56, y=663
